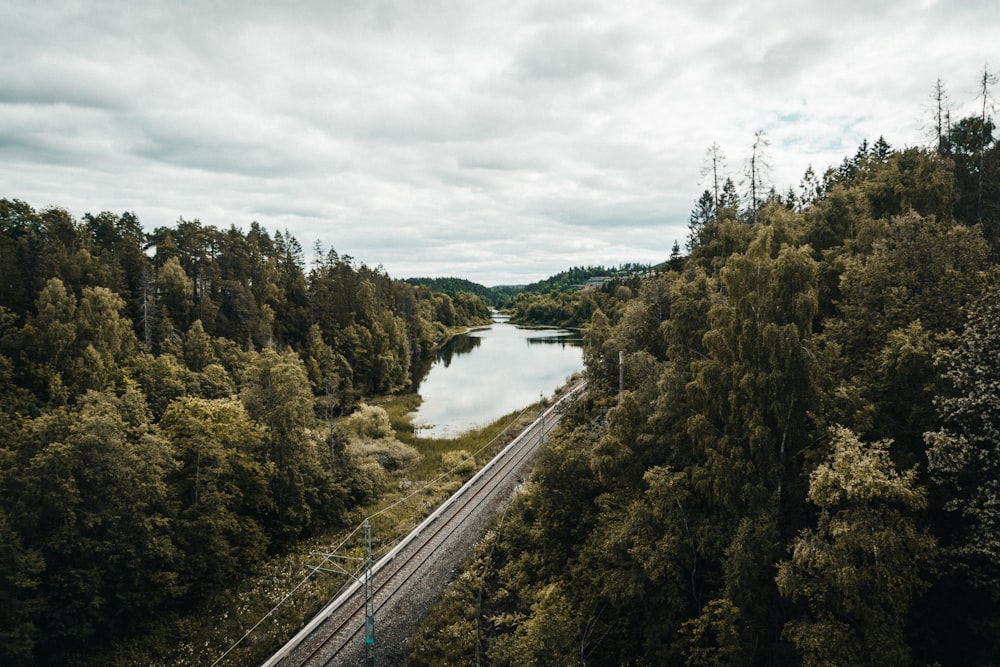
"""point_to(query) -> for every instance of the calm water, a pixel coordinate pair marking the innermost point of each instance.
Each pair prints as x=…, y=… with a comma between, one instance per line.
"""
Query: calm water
x=485, y=374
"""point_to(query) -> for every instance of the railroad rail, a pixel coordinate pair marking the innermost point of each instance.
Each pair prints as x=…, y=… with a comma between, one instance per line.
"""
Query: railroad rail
x=336, y=635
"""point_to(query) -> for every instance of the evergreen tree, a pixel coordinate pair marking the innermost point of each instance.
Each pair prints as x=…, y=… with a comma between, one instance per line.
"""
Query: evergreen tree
x=810, y=189
x=729, y=200
x=702, y=217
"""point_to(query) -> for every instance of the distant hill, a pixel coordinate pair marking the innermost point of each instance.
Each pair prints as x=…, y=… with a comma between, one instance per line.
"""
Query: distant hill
x=572, y=278
x=563, y=281
x=452, y=286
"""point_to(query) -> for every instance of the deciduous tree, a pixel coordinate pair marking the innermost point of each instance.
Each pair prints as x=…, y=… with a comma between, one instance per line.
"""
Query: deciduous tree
x=89, y=498
x=862, y=565
x=963, y=456
x=277, y=395
x=220, y=484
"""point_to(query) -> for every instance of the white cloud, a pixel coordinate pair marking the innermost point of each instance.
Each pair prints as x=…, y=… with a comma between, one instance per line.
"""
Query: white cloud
x=497, y=141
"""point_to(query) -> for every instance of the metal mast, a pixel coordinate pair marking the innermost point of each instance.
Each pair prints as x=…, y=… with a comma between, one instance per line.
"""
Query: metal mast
x=621, y=374
x=366, y=563
x=541, y=418
x=369, y=599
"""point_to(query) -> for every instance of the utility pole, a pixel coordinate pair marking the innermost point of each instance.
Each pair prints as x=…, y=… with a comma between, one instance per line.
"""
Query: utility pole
x=541, y=418
x=369, y=599
x=621, y=374
x=366, y=564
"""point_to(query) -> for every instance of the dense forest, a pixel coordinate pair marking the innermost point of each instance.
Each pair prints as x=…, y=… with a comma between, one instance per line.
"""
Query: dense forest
x=454, y=287
x=803, y=466
x=577, y=276
x=570, y=306
x=517, y=299
x=165, y=410
x=567, y=300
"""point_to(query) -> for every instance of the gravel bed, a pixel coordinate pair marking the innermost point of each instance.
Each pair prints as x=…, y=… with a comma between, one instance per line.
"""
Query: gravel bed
x=397, y=619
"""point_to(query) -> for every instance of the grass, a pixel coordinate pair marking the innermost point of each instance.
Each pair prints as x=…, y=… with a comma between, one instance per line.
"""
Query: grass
x=479, y=441
x=247, y=624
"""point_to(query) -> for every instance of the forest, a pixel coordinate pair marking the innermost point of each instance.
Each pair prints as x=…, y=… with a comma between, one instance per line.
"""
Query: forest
x=166, y=402
x=456, y=286
x=517, y=299
x=802, y=466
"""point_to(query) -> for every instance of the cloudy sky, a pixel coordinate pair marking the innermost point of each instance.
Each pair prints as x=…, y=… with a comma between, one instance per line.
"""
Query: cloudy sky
x=496, y=140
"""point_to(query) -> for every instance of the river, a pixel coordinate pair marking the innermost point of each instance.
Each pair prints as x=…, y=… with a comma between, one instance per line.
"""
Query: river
x=487, y=373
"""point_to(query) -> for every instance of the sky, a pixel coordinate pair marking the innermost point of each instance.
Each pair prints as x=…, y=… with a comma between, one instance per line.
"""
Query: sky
x=499, y=141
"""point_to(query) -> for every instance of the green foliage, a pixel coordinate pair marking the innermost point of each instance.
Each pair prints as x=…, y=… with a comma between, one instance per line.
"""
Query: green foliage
x=452, y=287
x=177, y=295
x=567, y=299
x=713, y=638
x=89, y=499
x=20, y=572
x=277, y=396
x=567, y=309
x=915, y=274
x=329, y=375
x=452, y=637
x=702, y=217
x=371, y=440
x=462, y=462
x=976, y=154
x=168, y=415
x=550, y=635
x=469, y=308
x=859, y=569
x=381, y=329
x=962, y=454
x=705, y=512
x=220, y=483
x=756, y=386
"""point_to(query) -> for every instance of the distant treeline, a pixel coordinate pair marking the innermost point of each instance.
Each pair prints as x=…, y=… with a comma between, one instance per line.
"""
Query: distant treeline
x=803, y=467
x=165, y=411
x=576, y=277
x=453, y=287
x=549, y=301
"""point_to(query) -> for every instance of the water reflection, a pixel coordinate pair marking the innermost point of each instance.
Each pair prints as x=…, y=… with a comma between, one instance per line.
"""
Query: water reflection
x=568, y=339
x=490, y=372
x=457, y=345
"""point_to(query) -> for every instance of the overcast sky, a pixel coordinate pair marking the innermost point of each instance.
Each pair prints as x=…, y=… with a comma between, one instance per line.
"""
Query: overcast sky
x=495, y=140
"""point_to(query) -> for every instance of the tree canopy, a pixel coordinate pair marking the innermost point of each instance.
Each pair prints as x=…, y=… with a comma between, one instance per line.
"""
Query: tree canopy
x=167, y=401
x=799, y=466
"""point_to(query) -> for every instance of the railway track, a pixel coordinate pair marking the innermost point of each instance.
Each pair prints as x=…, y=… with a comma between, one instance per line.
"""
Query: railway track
x=409, y=577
